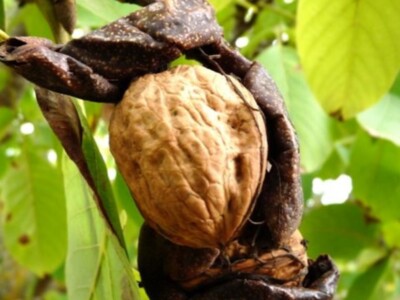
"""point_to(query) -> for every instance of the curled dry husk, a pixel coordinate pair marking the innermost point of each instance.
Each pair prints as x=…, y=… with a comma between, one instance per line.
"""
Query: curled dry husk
x=99, y=65
x=286, y=267
x=169, y=271
x=191, y=145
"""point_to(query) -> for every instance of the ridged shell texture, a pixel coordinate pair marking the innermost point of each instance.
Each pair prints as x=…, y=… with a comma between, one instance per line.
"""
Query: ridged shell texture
x=191, y=145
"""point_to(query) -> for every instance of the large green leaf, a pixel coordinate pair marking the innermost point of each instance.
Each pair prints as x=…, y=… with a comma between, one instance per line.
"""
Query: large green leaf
x=97, y=267
x=373, y=284
x=375, y=169
x=71, y=127
x=339, y=230
x=350, y=51
x=310, y=121
x=34, y=215
x=382, y=120
x=98, y=172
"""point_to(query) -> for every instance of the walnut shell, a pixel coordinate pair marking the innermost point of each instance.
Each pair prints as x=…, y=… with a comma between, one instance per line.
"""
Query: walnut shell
x=191, y=145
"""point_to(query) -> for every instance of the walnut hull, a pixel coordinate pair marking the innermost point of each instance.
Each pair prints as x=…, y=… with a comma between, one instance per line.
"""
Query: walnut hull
x=169, y=271
x=191, y=145
x=286, y=266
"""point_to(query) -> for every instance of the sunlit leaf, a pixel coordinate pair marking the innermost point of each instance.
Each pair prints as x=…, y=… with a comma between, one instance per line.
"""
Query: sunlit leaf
x=340, y=230
x=34, y=216
x=382, y=120
x=97, y=267
x=371, y=285
x=53, y=295
x=310, y=121
x=391, y=231
x=350, y=51
x=375, y=169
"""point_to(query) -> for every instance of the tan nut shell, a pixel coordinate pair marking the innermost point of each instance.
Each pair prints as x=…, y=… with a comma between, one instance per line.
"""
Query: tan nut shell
x=193, y=153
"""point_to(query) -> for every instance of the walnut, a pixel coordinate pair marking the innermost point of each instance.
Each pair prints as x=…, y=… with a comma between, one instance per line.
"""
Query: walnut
x=191, y=145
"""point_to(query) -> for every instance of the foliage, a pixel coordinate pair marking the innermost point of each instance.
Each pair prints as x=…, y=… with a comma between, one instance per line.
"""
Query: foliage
x=337, y=65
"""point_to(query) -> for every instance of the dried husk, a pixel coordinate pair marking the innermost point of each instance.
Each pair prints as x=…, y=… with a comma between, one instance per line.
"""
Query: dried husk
x=191, y=145
x=286, y=266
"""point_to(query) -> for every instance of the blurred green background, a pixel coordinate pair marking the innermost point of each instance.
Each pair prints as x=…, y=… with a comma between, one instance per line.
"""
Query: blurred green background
x=336, y=64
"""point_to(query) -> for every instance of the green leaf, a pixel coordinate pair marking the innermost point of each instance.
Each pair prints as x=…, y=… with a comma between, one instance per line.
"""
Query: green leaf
x=262, y=30
x=97, y=267
x=7, y=115
x=350, y=51
x=142, y=292
x=375, y=169
x=34, y=21
x=2, y=16
x=105, y=10
x=382, y=120
x=220, y=4
x=307, y=182
x=34, y=217
x=227, y=19
x=339, y=230
x=98, y=172
x=70, y=125
x=391, y=232
x=371, y=285
x=125, y=200
x=314, y=132
x=53, y=295
x=131, y=218
x=336, y=164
